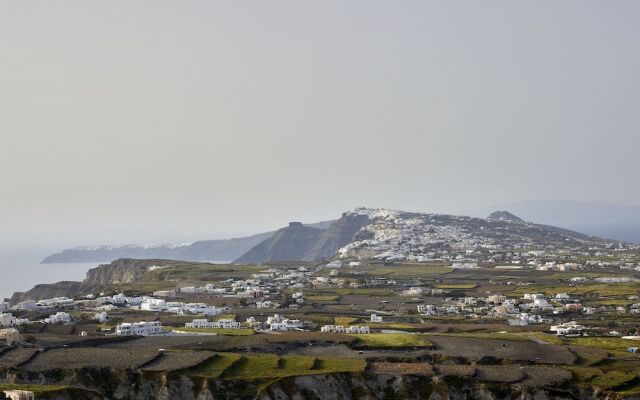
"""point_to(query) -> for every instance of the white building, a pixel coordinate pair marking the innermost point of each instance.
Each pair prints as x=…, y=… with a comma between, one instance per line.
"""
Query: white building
x=279, y=323
x=348, y=329
x=7, y=319
x=139, y=329
x=55, y=302
x=10, y=335
x=58, y=318
x=376, y=318
x=101, y=317
x=426, y=309
x=568, y=329
x=221, y=324
x=265, y=304
x=152, y=304
x=26, y=305
x=19, y=395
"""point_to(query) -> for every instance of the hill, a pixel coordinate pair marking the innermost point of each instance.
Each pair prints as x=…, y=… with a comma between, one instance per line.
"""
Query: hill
x=613, y=221
x=300, y=243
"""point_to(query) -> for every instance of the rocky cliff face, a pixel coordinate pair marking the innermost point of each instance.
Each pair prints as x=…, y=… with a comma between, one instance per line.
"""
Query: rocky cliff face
x=93, y=384
x=51, y=290
x=119, y=271
x=302, y=243
x=123, y=270
x=293, y=243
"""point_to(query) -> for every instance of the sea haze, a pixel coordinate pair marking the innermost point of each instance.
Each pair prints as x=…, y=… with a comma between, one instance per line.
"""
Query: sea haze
x=20, y=269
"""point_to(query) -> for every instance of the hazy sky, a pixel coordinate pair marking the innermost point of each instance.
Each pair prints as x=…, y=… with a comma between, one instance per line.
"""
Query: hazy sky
x=238, y=116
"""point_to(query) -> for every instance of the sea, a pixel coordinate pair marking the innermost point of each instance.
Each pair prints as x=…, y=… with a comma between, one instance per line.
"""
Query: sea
x=20, y=268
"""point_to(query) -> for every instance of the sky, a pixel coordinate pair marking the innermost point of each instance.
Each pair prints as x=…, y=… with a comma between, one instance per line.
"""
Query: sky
x=168, y=118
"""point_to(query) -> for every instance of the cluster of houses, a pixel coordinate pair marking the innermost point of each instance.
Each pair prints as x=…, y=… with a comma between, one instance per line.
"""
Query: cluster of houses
x=343, y=329
x=9, y=320
x=530, y=309
x=32, y=305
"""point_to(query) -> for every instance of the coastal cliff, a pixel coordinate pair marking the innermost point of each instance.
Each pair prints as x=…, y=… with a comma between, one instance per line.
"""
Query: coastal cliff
x=93, y=384
x=117, y=272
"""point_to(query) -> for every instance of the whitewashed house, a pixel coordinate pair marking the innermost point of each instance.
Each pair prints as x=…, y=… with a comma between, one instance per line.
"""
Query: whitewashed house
x=342, y=329
x=10, y=336
x=8, y=320
x=139, y=329
x=58, y=318
x=101, y=317
x=568, y=329
x=279, y=323
x=220, y=324
x=358, y=329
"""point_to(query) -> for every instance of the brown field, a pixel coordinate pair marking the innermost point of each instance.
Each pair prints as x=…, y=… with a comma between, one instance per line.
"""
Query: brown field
x=15, y=357
x=499, y=373
x=475, y=349
x=537, y=376
x=82, y=357
x=455, y=370
x=400, y=368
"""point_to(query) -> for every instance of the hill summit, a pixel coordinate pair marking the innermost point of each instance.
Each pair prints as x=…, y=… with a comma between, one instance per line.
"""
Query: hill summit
x=504, y=216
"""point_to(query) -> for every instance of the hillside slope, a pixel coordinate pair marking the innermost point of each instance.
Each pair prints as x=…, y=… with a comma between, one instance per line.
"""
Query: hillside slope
x=384, y=234
x=613, y=221
x=293, y=243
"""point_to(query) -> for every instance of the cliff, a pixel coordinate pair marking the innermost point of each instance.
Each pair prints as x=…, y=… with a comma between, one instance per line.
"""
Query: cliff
x=100, y=383
x=51, y=290
x=293, y=243
x=119, y=271
x=123, y=270
x=205, y=250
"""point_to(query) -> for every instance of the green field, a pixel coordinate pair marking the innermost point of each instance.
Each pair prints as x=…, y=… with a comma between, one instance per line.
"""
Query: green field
x=34, y=388
x=217, y=365
x=386, y=340
x=320, y=297
x=457, y=286
x=537, y=336
x=344, y=321
x=613, y=345
x=263, y=366
x=615, y=290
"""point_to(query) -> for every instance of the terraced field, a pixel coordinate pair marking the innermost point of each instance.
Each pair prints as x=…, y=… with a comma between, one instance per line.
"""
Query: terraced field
x=390, y=340
x=262, y=366
x=476, y=349
x=177, y=360
x=83, y=357
x=14, y=357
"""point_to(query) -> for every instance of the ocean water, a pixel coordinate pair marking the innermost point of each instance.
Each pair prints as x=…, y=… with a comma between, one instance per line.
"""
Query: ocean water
x=20, y=269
